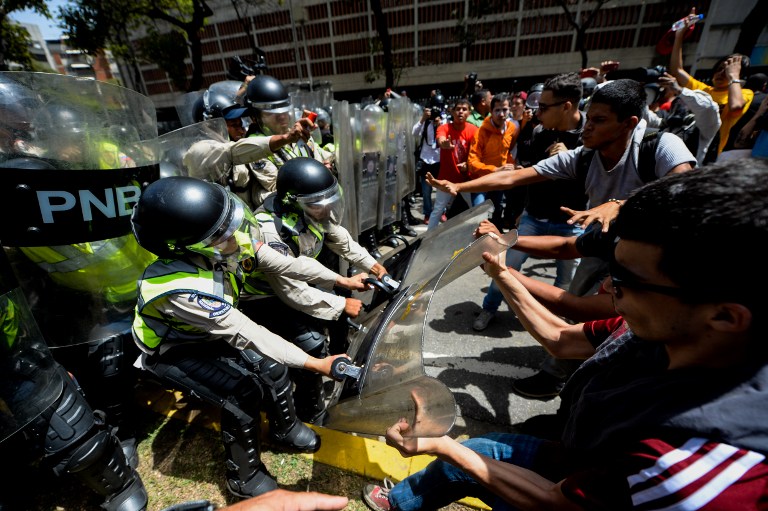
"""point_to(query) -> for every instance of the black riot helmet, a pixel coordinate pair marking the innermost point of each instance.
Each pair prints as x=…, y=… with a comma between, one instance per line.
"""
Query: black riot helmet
x=178, y=214
x=217, y=104
x=534, y=94
x=267, y=94
x=437, y=101
x=306, y=185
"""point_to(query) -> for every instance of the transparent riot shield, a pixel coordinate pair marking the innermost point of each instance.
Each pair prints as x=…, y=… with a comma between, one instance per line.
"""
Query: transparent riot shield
x=393, y=383
x=29, y=381
x=192, y=149
x=389, y=199
x=228, y=88
x=372, y=137
x=400, y=120
x=189, y=107
x=70, y=189
x=344, y=156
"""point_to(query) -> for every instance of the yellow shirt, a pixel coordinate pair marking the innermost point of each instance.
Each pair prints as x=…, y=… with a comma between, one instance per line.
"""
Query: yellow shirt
x=720, y=96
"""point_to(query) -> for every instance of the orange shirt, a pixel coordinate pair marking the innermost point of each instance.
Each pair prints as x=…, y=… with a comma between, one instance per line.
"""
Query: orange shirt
x=490, y=148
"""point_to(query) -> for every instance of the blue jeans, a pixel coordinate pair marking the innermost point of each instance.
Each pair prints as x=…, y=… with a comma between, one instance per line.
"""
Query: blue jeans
x=443, y=201
x=530, y=226
x=441, y=483
x=478, y=198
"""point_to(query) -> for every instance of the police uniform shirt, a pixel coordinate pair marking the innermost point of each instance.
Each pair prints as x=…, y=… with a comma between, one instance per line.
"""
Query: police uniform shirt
x=315, y=302
x=222, y=321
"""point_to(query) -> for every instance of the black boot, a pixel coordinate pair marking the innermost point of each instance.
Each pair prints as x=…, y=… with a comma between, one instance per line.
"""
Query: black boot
x=405, y=230
x=310, y=396
x=408, y=218
x=285, y=427
x=387, y=236
x=246, y=474
x=368, y=240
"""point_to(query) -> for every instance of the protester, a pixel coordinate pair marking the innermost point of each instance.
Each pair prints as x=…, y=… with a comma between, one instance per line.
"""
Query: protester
x=727, y=80
x=665, y=413
x=454, y=139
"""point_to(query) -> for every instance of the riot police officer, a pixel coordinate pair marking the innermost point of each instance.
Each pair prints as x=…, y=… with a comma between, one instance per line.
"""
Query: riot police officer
x=46, y=421
x=300, y=219
x=65, y=265
x=77, y=260
x=273, y=114
x=193, y=336
x=241, y=165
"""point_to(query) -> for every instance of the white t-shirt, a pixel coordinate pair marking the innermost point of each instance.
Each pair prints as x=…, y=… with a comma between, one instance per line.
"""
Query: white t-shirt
x=617, y=183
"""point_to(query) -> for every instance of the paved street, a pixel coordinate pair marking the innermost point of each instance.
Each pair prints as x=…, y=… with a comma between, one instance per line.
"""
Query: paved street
x=479, y=366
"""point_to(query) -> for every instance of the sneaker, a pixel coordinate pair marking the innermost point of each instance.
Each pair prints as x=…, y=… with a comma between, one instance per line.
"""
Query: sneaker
x=426, y=219
x=541, y=385
x=482, y=320
x=377, y=497
x=443, y=218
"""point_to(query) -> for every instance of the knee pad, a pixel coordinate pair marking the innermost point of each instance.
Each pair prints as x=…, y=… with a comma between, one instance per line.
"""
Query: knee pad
x=70, y=420
x=309, y=337
x=100, y=464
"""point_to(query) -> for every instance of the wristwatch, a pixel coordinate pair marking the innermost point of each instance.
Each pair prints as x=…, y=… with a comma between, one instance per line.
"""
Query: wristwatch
x=740, y=82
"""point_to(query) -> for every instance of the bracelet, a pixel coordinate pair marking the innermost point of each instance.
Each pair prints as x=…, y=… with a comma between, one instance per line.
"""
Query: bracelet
x=617, y=201
x=736, y=81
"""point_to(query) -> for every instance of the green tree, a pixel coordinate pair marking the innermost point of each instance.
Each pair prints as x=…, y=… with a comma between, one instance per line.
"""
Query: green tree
x=13, y=38
x=172, y=31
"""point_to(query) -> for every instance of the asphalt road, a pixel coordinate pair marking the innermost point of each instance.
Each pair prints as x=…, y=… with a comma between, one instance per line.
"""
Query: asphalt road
x=479, y=367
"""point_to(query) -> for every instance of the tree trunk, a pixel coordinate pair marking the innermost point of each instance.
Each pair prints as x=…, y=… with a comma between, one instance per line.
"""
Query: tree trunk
x=386, y=43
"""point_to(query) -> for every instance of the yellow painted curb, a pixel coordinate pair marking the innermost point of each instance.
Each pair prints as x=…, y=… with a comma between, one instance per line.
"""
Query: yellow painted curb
x=365, y=456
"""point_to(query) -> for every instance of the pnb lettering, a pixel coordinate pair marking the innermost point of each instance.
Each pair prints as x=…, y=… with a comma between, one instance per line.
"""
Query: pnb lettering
x=116, y=202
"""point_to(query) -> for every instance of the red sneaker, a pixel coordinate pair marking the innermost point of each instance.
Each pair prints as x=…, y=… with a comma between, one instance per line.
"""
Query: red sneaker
x=443, y=218
x=377, y=497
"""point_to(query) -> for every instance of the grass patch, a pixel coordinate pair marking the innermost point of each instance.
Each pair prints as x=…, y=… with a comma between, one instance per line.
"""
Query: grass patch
x=182, y=460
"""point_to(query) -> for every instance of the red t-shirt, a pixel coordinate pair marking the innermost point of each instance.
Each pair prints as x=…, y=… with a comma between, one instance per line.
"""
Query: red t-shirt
x=449, y=158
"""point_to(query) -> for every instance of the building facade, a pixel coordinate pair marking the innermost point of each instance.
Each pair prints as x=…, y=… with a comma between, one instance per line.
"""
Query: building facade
x=436, y=42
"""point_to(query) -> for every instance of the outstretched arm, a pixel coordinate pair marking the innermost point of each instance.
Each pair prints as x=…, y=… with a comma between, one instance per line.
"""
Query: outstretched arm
x=558, y=337
x=284, y=500
x=520, y=487
x=676, y=57
x=490, y=182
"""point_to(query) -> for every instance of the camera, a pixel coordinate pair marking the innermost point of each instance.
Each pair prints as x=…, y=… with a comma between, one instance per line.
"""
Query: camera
x=240, y=67
x=436, y=113
x=471, y=81
x=639, y=74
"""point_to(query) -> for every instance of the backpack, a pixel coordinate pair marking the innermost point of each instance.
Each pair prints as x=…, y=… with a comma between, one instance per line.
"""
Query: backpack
x=646, y=161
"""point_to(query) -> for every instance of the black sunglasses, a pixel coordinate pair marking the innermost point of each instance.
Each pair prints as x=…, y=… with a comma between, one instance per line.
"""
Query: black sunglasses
x=623, y=278
x=543, y=107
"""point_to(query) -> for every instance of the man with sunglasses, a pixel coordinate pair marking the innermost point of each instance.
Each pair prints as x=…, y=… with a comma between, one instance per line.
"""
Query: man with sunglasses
x=561, y=124
x=668, y=412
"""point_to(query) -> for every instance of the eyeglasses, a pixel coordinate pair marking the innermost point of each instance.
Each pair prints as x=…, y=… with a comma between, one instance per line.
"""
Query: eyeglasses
x=623, y=278
x=543, y=107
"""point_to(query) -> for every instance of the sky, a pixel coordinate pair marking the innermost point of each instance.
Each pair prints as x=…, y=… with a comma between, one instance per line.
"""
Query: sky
x=47, y=27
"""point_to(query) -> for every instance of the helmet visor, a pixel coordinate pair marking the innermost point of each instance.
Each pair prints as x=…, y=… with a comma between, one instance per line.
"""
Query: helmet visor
x=323, y=208
x=231, y=242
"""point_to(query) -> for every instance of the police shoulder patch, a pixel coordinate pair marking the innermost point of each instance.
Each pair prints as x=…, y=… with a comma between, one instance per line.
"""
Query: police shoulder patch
x=215, y=307
x=280, y=247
